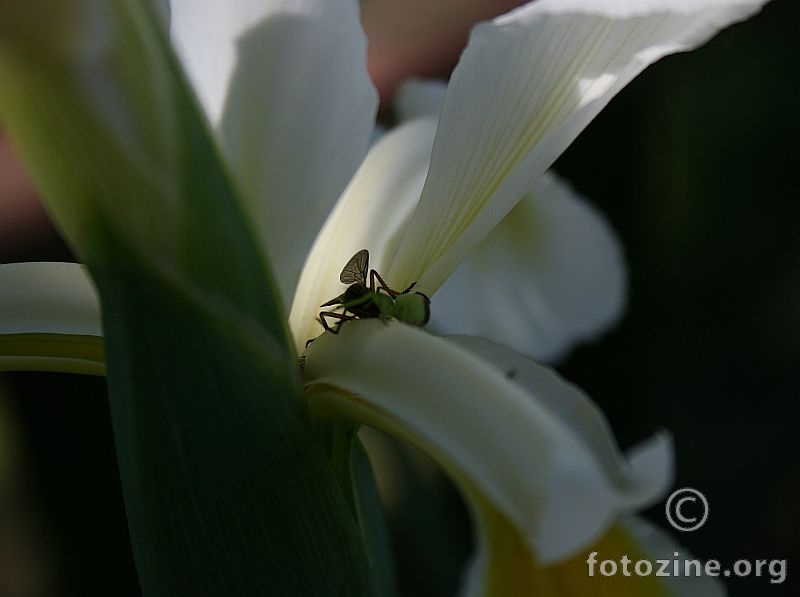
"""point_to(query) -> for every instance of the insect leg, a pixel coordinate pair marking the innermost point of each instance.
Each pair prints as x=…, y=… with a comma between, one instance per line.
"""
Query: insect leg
x=383, y=285
x=340, y=316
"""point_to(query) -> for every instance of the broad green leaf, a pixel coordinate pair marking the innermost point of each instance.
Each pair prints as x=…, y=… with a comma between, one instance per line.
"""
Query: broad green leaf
x=226, y=488
x=353, y=470
x=227, y=491
x=372, y=523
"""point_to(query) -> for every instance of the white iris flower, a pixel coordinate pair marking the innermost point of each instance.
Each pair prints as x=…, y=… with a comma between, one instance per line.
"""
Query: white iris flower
x=285, y=88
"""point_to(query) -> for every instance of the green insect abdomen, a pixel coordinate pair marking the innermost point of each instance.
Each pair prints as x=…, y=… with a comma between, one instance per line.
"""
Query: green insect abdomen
x=413, y=308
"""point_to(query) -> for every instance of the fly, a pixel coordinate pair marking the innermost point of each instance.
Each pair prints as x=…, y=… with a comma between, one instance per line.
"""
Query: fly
x=369, y=297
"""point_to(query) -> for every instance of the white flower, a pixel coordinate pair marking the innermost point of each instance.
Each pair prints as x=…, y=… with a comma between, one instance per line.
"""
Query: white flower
x=293, y=107
x=284, y=86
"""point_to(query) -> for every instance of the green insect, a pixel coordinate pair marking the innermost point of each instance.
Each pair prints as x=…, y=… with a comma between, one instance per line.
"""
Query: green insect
x=373, y=300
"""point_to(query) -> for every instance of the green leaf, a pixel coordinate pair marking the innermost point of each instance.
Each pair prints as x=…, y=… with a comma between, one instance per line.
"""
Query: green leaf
x=353, y=470
x=372, y=523
x=227, y=490
x=94, y=98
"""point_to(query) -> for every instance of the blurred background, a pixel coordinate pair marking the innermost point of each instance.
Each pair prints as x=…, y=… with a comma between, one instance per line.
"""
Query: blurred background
x=692, y=164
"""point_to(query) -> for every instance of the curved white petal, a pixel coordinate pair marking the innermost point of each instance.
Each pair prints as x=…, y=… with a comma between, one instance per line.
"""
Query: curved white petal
x=376, y=205
x=419, y=97
x=48, y=297
x=526, y=85
x=49, y=319
x=644, y=475
x=550, y=275
x=491, y=434
x=285, y=84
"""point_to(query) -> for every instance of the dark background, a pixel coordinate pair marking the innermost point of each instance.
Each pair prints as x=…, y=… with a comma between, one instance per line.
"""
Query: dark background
x=695, y=165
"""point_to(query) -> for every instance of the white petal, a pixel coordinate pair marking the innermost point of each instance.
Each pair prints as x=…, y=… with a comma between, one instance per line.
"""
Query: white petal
x=549, y=276
x=525, y=87
x=419, y=97
x=49, y=319
x=491, y=434
x=285, y=83
x=46, y=297
x=377, y=203
x=644, y=475
x=205, y=34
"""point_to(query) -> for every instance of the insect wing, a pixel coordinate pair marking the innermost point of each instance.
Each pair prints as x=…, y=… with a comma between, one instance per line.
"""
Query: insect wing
x=355, y=270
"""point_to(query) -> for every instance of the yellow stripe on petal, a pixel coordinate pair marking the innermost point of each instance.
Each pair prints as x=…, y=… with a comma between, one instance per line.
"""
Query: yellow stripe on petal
x=505, y=566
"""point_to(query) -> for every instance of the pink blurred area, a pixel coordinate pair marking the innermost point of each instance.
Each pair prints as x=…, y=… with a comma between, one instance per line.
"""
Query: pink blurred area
x=420, y=38
x=22, y=218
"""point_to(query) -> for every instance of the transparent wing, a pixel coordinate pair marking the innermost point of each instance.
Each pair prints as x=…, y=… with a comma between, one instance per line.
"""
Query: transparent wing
x=355, y=271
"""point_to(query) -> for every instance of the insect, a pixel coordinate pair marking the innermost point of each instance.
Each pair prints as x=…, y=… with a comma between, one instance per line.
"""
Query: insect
x=363, y=300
